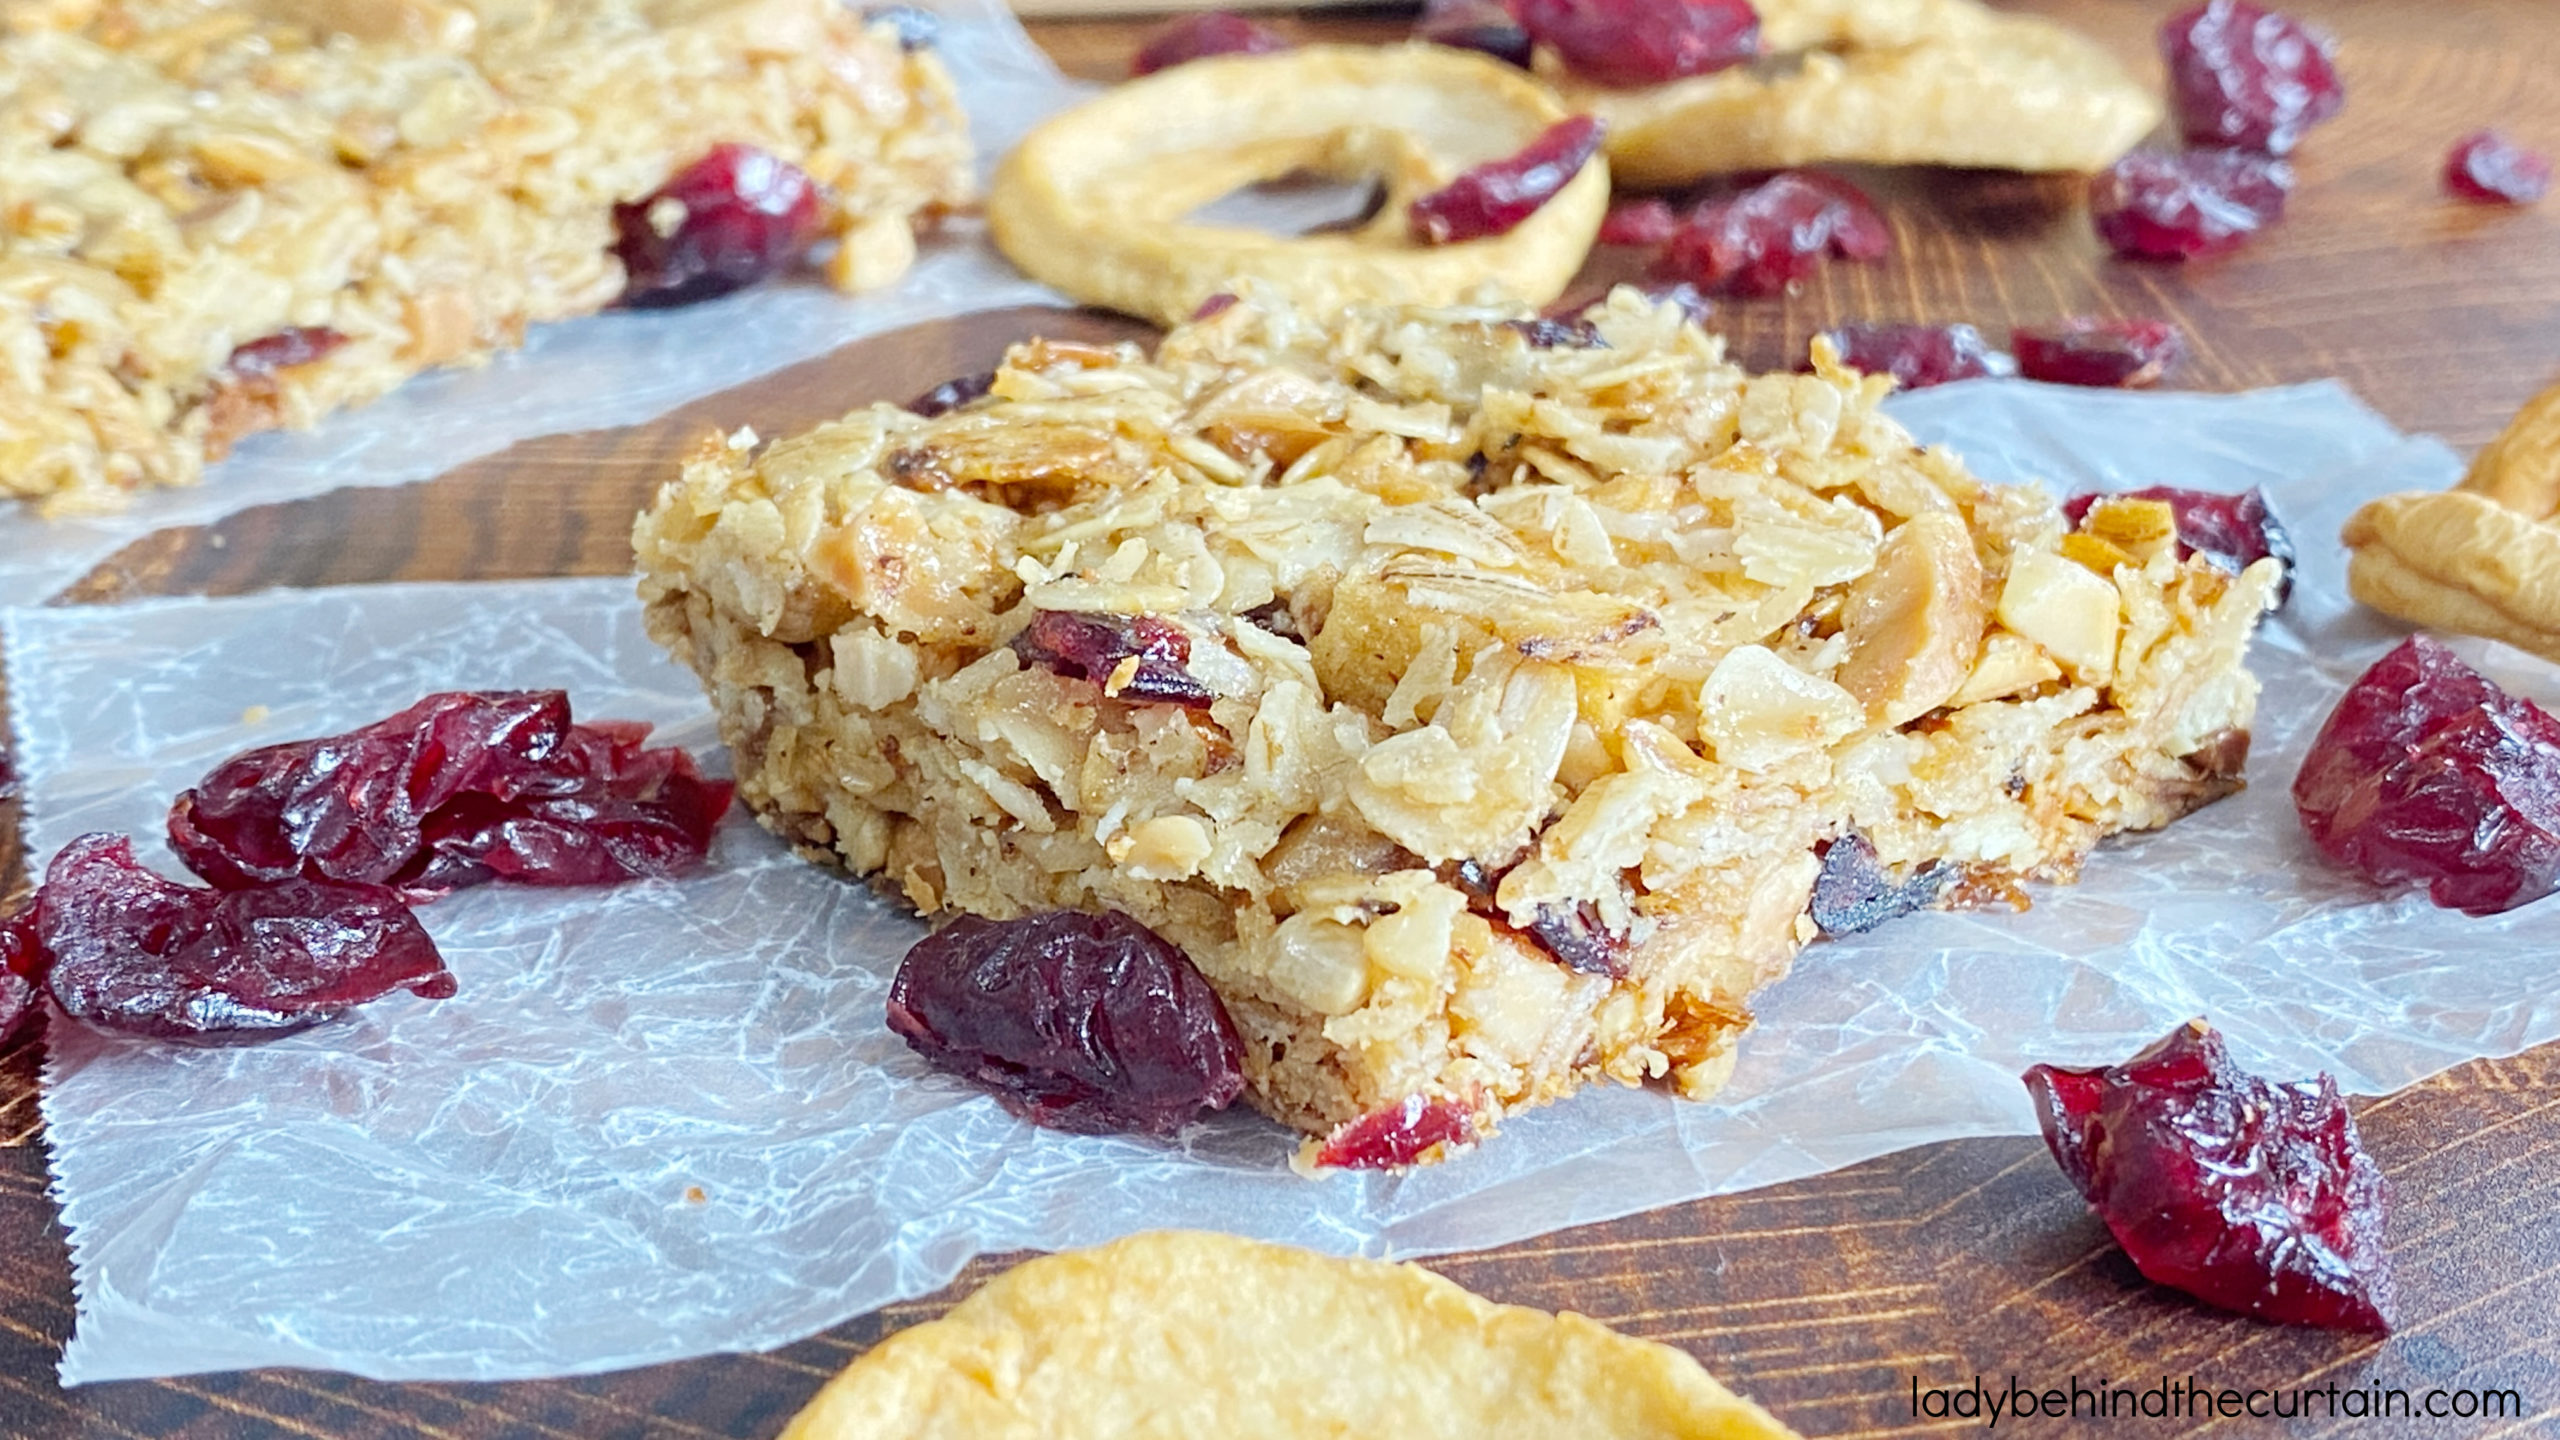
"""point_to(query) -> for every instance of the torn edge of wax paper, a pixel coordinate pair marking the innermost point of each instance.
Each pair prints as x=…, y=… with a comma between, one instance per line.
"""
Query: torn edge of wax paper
x=504, y=1184
x=616, y=368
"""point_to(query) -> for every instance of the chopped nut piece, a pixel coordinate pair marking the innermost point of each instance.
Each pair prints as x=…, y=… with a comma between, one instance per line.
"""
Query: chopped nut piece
x=1914, y=623
x=2072, y=613
x=1759, y=712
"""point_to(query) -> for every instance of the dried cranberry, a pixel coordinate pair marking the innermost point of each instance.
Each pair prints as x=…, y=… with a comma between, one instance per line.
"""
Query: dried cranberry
x=2489, y=168
x=2107, y=354
x=1495, y=197
x=2234, y=531
x=260, y=359
x=1196, y=37
x=2156, y=206
x=728, y=220
x=2249, y=1195
x=1853, y=893
x=21, y=970
x=1918, y=356
x=1091, y=1023
x=457, y=789
x=1643, y=42
x=1480, y=25
x=1647, y=220
x=2428, y=771
x=129, y=951
x=1575, y=936
x=1094, y=645
x=950, y=395
x=1767, y=239
x=1397, y=1136
x=2239, y=75
x=916, y=29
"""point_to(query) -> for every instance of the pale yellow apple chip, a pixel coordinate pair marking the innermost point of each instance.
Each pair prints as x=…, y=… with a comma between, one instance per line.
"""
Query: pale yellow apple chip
x=1180, y=1335
x=1879, y=82
x=1097, y=201
x=2482, y=558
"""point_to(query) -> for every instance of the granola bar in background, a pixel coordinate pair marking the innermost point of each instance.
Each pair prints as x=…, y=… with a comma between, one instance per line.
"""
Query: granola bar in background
x=224, y=216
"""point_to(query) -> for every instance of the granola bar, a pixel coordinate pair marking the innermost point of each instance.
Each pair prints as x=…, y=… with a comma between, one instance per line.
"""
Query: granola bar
x=221, y=216
x=1476, y=699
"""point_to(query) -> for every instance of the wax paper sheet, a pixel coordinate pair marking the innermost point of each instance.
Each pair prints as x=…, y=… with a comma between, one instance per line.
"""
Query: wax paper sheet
x=504, y=1183
x=612, y=369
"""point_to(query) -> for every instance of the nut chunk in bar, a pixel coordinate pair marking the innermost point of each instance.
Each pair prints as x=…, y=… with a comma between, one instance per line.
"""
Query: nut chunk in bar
x=1478, y=717
x=224, y=216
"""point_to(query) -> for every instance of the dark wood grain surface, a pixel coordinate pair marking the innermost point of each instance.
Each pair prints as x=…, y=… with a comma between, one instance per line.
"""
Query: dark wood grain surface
x=1827, y=1298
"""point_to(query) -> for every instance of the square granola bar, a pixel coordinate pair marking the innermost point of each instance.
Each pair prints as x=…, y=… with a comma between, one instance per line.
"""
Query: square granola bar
x=221, y=216
x=1485, y=704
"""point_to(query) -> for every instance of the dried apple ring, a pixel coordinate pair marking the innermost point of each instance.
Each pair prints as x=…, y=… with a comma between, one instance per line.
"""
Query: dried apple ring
x=1878, y=82
x=1096, y=201
x=2482, y=558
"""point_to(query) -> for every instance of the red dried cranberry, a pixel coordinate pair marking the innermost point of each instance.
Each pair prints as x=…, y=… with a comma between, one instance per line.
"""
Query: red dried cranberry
x=1642, y=42
x=2239, y=75
x=1480, y=25
x=457, y=789
x=1918, y=356
x=727, y=221
x=2156, y=206
x=2428, y=771
x=1090, y=1023
x=1494, y=197
x=1196, y=37
x=1767, y=239
x=1647, y=220
x=950, y=395
x=2233, y=531
x=1578, y=940
x=1093, y=645
x=21, y=970
x=262, y=358
x=131, y=952
x=1397, y=1136
x=2107, y=354
x=2489, y=168
x=1853, y=893
x=2249, y=1195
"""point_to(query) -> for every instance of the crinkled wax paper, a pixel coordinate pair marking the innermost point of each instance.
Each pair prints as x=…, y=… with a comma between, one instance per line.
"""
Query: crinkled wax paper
x=616, y=368
x=497, y=1185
